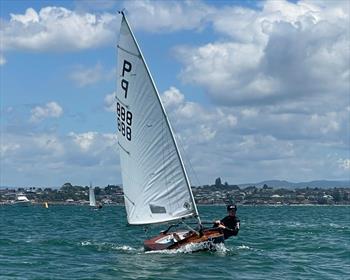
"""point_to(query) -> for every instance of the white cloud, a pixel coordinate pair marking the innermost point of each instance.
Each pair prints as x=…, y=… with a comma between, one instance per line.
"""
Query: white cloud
x=73, y=157
x=285, y=51
x=8, y=148
x=30, y=16
x=237, y=140
x=48, y=143
x=170, y=15
x=84, y=76
x=195, y=121
x=283, y=74
x=110, y=103
x=172, y=97
x=58, y=29
x=228, y=71
x=90, y=140
x=50, y=110
x=2, y=60
x=83, y=140
x=326, y=124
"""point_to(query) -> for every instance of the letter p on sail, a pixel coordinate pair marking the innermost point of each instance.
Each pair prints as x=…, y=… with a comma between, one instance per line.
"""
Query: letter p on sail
x=126, y=67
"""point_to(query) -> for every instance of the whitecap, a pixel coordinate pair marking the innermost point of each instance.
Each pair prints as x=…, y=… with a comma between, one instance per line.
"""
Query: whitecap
x=125, y=248
x=243, y=247
x=85, y=243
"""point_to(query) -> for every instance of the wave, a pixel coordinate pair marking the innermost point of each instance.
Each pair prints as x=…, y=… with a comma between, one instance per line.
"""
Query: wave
x=243, y=247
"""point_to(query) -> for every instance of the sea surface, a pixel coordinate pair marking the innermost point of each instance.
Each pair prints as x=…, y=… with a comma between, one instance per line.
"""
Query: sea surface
x=76, y=242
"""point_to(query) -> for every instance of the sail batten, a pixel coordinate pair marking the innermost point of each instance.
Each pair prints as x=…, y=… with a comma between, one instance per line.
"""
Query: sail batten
x=155, y=182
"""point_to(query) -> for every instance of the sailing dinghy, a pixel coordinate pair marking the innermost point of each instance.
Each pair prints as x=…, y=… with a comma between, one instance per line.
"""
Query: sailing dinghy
x=155, y=183
x=92, y=199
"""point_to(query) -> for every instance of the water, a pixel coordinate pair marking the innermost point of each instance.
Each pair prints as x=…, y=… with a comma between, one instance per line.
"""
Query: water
x=76, y=242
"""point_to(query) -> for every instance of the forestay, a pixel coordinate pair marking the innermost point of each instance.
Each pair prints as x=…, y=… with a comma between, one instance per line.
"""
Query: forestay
x=155, y=184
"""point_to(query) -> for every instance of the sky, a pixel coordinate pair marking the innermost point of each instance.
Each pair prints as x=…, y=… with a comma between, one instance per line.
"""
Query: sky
x=254, y=90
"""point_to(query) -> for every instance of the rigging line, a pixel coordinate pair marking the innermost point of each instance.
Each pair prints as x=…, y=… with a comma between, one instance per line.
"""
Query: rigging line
x=181, y=146
x=190, y=228
x=169, y=149
x=188, y=160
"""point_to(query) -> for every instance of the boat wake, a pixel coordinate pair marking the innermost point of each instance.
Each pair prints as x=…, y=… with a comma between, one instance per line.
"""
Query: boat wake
x=217, y=249
x=127, y=248
x=110, y=246
x=190, y=248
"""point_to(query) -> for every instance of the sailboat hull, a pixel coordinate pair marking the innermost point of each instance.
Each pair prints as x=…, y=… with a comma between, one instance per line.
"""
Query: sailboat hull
x=176, y=240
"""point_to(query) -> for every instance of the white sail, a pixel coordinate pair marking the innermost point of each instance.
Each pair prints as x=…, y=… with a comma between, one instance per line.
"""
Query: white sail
x=92, y=198
x=155, y=184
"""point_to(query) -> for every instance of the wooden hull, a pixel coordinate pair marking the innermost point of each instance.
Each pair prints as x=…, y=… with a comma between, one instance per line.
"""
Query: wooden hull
x=176, y=240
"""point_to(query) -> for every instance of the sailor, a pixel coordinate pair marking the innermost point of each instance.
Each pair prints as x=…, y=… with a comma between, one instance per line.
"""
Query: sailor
x=230, y=224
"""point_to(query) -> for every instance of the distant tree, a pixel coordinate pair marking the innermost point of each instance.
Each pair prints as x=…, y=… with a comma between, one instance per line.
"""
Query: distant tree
x=235, y=187
x=97, y=190
x=337, y=195
x=67, y=185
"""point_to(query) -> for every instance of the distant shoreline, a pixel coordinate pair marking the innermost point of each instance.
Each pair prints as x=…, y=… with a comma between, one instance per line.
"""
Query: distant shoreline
x=218, y=194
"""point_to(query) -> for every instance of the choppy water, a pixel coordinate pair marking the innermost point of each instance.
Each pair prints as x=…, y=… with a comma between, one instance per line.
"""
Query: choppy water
x=75, y=242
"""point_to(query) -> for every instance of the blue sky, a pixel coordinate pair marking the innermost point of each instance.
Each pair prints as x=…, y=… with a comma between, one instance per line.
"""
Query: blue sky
x=255, y=90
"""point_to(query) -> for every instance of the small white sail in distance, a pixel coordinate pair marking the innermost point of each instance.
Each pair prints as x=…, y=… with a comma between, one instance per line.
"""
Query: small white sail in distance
x=155, y=184
x=92, y=199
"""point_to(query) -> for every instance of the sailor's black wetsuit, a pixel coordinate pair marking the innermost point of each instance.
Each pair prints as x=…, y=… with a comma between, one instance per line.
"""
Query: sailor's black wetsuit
x=232, y=223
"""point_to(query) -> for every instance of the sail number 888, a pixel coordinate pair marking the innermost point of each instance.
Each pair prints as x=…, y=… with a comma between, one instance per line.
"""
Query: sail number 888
x=124, y=121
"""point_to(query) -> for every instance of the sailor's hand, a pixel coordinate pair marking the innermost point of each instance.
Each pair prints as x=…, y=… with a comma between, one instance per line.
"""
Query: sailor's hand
x=221, y=226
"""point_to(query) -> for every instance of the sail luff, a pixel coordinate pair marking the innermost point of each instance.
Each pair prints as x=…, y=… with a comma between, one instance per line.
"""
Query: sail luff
x=166, y=119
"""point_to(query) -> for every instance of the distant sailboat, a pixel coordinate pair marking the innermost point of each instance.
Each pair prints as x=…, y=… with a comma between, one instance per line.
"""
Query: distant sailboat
x=155, y=184
x=92, y=199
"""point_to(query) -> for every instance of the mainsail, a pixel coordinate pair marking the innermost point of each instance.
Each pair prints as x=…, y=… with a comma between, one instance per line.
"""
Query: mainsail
x=155, y=184
x=92, y=198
